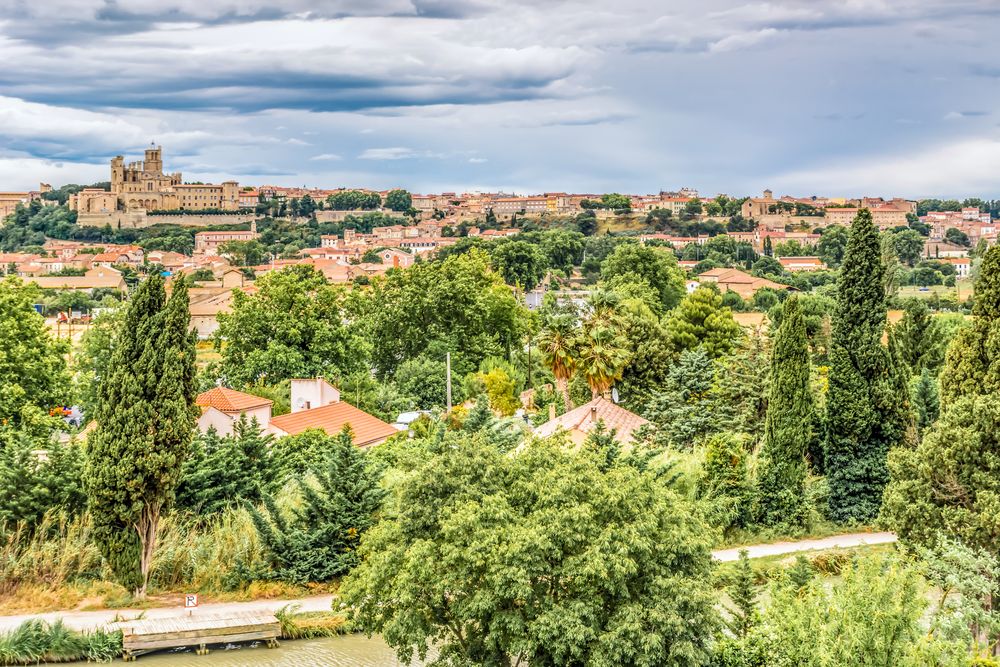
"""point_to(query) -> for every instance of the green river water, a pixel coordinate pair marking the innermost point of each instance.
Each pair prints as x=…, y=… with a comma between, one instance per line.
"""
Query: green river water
x=346, y=651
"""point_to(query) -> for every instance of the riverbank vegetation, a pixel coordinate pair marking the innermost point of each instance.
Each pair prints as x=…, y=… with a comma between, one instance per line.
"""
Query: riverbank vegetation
x=471, y=533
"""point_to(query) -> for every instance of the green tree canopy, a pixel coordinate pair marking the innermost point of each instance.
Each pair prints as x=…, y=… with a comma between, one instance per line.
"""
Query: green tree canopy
x=867, y=402
x=399, y=201
x=458, y=305
x=32, y=363
x=519, y=262
x=536, y=558
x=146, y=416
x=702, y=320
x=292, y=327
x=781, y=468
x=656, y=265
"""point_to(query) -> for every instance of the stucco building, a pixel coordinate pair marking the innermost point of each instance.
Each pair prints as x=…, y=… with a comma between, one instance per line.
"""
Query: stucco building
x=143, y=186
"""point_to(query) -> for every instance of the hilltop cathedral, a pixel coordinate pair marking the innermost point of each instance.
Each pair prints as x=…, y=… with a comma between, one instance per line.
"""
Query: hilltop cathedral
x=142, y=186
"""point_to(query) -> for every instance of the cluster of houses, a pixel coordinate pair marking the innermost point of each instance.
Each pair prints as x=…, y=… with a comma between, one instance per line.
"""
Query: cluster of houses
x=317, y=405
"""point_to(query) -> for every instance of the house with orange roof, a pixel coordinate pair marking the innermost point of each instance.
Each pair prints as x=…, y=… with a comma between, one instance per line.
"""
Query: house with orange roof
x=579, y=422
x=802, y=263
x=734, y=280
x=222, y=407
x=316, y=405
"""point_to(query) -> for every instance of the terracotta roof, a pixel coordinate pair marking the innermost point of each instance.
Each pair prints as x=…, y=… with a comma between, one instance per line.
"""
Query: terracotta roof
x=585, y=417
x=230, y=400
x=331, y=418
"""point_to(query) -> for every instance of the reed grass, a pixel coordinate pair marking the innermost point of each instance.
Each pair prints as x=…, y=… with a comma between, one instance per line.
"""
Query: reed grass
x=36, y=641
x=310, y=624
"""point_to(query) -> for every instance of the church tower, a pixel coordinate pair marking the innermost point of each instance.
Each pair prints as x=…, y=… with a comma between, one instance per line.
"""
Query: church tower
x=153, y=163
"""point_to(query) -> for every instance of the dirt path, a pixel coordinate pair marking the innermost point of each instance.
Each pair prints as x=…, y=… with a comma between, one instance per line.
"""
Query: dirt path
x=88, y=620
x=781, y=548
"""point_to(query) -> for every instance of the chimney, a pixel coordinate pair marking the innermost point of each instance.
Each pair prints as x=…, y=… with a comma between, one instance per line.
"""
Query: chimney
x=593, y=413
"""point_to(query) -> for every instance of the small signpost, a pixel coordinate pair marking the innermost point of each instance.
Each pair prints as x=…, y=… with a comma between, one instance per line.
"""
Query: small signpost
x=190, y=602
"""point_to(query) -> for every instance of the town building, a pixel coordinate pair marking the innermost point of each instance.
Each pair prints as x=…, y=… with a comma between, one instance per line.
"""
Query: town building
x=579, y=422
x=208, y=243
x=734, y=280
x=222, y=407
x=144, y=186
x=9, y=201
x=316, y=405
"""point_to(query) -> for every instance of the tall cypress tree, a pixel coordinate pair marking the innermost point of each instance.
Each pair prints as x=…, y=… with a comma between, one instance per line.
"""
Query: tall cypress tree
x=788, y=425
x=145, y=420
x=868, y=403
x=970, y=364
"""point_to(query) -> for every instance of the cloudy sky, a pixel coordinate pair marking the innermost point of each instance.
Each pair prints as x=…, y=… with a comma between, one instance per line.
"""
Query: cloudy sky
x=837, y=97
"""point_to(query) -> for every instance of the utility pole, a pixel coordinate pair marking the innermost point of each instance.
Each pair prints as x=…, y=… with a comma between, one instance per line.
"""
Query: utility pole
x=447, y=362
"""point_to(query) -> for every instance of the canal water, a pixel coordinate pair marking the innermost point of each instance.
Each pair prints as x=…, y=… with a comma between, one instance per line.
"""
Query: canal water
x=346, y=651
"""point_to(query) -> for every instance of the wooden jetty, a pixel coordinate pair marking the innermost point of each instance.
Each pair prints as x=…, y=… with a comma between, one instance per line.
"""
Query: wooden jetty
x=146, y=635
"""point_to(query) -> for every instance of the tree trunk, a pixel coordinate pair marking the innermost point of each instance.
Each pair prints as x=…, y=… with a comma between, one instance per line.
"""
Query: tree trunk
x=562, y=386
x=149, y=521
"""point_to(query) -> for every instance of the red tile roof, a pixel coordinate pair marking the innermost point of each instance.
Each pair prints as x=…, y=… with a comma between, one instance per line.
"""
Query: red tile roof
x=230, y=400
x=585, y=417
x=368, y=430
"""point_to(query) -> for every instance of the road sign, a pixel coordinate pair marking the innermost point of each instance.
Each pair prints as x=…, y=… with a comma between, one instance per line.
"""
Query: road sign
x=190, y=600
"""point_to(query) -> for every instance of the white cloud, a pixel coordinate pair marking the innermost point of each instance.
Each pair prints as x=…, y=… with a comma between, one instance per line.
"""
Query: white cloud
x=953, y=169
x=394, y=153
x=477, y=160
x=325, y=156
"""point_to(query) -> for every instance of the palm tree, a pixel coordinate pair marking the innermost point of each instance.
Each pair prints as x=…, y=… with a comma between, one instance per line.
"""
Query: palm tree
x=557, y=341
x=601, y=358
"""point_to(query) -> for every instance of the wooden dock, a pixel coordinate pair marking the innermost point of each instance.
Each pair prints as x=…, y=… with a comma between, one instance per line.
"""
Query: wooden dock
x=143, y=636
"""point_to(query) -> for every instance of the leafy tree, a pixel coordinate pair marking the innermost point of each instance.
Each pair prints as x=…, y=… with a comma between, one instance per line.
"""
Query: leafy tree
x=871, y=617
x=832, y=245
x=867, y=402
x=500, y=390
x=949, y=484
x=767, y=266
x=520, y=263
x=398, y=200
x=33, y=484
x=909, y=245
x=146, y=415
x=702, y=320
x=726, y=484
x=354, y=200
x=957, y=236
x=657, y=266
x=223, y=470
x=307, y=206
x=971, y=362
x=292, y=327
x=244, y=253
x=423, y=379
x=781, y=467
x=919, y=338
x=319, y=541
x=458, y=305
x=32, y=363
x=650, y=357
x=615, y=202
x=557, y=341
x=489, y=559
x=562, y=249
x=294, y=456
x=92, y=359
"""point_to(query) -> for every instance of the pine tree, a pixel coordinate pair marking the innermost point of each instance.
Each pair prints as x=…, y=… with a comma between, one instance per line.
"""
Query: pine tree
x=970, y=365
x=145, y=420
x=925, y=398
x=744, y=596
x=788, y=425
x=319, y=540
x=867, y=403
x=800, y=573
x=919, y=337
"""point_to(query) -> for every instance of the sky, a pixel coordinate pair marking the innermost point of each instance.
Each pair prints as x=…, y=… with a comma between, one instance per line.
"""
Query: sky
x=805, y=97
